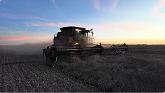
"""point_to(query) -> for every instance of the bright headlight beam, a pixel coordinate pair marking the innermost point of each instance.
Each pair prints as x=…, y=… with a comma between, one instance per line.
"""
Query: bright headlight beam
x=78, y=30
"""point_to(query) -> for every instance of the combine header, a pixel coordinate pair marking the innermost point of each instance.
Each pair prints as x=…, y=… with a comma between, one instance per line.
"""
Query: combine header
x=77, y=41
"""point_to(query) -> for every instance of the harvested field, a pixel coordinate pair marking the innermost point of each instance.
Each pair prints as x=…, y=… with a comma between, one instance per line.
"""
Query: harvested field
x=29, y=73
x=141, y=70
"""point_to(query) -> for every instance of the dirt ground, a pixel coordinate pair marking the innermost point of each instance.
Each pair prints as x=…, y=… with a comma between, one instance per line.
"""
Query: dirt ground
x=141, y=70
x=27, y=72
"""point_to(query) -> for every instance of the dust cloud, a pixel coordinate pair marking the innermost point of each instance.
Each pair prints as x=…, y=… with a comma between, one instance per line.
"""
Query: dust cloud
x=27, y=48
x=33, y=48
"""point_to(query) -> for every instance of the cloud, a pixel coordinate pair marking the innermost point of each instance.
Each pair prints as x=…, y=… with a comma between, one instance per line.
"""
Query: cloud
x=96, y=4
x=47, y=24
x=112, y=4
x=4, y=9
x=20, y=32
x=124, y=26
x=115, y=4
x=10, y=16
x=68, y=19
x=15, y=38
x=156, y=10
x=39, y=18
x=104, y=26
x=54, y=3
x=59, y=13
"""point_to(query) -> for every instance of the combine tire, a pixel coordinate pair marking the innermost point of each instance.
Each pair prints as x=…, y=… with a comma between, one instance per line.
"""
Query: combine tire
x=47, y=58
x=44, y=55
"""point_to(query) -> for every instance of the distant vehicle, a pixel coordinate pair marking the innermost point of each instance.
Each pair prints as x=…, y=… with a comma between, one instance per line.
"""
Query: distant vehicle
x=77, y=41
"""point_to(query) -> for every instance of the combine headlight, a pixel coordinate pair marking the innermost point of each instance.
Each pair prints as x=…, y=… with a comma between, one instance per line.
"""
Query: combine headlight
x=78, y=30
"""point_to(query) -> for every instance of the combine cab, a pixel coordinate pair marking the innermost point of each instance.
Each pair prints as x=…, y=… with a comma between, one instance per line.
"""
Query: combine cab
x=76, y=41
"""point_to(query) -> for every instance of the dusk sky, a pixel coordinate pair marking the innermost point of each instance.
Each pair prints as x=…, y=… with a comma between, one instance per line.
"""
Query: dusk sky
x=113, y=21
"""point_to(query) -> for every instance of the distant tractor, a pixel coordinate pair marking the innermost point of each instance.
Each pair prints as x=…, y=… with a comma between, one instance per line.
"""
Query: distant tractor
x=77, y=41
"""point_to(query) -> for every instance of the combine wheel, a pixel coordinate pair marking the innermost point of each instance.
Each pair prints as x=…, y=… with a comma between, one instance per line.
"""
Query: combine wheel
x=44, y=55
x=47, y=58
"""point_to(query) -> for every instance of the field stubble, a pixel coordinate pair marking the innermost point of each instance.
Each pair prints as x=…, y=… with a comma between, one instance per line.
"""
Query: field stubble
x=140, y=70
x=21, y=73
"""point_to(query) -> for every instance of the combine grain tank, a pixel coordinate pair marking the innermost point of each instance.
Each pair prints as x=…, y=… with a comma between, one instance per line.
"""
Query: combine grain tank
x=75, y=41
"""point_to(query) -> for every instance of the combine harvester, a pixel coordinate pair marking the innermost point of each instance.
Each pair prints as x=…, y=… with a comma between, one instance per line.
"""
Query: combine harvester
x=77, y=41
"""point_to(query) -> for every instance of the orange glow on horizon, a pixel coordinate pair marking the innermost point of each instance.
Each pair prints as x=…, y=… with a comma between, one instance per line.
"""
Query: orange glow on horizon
x=131, y=41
